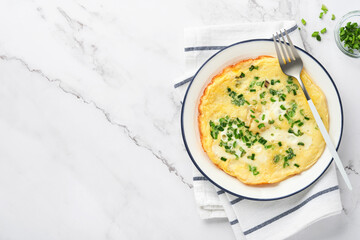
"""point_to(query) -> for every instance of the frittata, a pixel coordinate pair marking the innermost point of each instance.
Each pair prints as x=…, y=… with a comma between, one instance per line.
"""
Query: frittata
x=255, y=123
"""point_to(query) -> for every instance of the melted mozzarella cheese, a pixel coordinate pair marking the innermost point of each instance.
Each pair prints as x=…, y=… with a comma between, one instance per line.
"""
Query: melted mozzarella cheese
x=280, y=135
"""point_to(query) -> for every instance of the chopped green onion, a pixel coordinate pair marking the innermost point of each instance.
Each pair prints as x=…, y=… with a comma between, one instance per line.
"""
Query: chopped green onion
x=215, y=129
x=237, y=100
x=232, y=152
x=252, y=67
x=324, y=8
x=252, y=116
x=280, y=144
x=288, y=157
x=321, y=15
x=263, y=102
x=262, y=141
x=261, y=125
x=253, y=170
x=252, y=157
x=296, y=165
x=262, y=95
x=252, y=90
x=332, y=17
x=323, y=30
x=243, y=152
x=263, y=117
x=271, y=121
x=277, y=158
x=252, y=111
x=303, y=21
x=242, y=132
x=282, y=107
x=298, y=133
x=272, y=99
x=256, y=78
x=315, y=34
x=273, y=92
x=252, y=84
x=294, y=122
x=350, y=36
x=301, y=144
x=256, y=120
x=273, y=82
x=287, y=117
x=223, y=159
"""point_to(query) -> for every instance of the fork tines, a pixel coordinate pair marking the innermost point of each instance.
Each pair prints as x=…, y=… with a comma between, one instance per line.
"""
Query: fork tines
x=288, y=52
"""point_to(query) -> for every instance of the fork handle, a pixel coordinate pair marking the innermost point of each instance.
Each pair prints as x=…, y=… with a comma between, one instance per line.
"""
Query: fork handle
x=307, y=96
x=329, y=144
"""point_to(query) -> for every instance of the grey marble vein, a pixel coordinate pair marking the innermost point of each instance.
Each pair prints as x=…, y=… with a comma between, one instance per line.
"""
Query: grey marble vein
x=41, y=12
x=253, y=4
x=351, y=169
x=73, y=23
x=135, y=139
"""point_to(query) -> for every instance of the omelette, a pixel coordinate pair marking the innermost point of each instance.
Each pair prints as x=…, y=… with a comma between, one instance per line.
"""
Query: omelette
x=256, y=125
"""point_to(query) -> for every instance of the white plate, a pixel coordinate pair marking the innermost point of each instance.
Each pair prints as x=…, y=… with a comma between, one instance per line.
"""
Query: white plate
x=190, y=129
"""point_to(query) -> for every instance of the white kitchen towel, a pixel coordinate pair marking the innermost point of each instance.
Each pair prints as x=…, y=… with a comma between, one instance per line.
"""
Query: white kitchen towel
x=249, y=219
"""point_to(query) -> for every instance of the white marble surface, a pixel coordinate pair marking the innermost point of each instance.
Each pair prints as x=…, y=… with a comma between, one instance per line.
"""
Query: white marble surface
x=90, y=144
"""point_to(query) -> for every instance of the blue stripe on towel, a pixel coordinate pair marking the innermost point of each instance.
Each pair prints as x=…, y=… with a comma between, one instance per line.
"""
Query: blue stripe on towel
x=183, y=82
x=220, y=192
x=200, y=179
x=251, y=230
x=234, y=222
x=236, y=200
x=290, y=30
x=202, y=48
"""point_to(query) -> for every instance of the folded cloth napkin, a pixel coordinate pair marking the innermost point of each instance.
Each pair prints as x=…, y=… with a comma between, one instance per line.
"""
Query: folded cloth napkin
x=249, y=219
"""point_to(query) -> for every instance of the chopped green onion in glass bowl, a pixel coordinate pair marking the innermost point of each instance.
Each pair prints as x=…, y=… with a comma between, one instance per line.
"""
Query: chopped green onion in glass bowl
x=347, y=34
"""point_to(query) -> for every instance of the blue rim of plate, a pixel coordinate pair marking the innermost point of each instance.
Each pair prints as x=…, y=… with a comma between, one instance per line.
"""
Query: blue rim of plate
x=213, y=182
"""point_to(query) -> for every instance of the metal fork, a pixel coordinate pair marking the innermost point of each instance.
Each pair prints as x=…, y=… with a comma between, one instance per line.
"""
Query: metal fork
x=291, y=64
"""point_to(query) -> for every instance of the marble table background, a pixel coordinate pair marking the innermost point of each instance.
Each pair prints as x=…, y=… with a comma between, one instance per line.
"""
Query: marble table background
x=90, y=144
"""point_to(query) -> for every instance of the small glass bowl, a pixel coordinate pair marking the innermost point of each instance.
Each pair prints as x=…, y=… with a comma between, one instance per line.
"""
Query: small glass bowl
x=353, y=16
